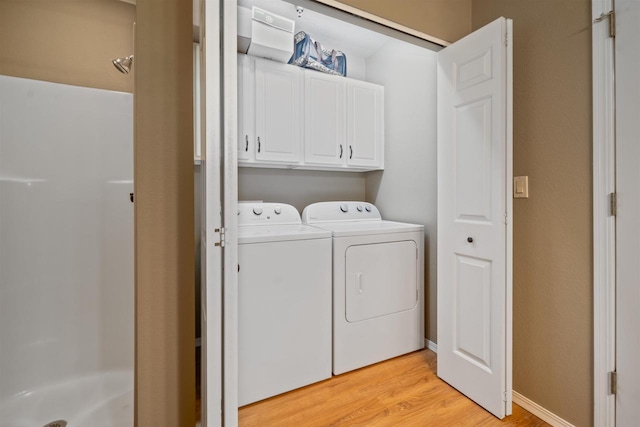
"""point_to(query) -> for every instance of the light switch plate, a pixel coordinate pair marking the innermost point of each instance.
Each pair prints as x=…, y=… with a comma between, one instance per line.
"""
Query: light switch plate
x=520, y=187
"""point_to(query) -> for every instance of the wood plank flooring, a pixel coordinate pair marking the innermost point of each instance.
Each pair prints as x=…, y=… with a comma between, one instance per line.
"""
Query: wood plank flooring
x=404, y=391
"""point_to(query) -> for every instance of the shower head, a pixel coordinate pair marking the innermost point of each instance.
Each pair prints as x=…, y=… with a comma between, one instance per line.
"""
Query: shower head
x=123, y=64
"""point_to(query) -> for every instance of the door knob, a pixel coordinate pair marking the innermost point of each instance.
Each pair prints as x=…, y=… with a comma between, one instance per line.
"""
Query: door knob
x=470, y=239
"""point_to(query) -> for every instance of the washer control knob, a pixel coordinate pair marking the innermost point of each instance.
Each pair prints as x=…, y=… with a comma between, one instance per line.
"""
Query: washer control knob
x=359, y=208
x=367, y=208
x=344, y=207
x=277, y=211
x=257, y=211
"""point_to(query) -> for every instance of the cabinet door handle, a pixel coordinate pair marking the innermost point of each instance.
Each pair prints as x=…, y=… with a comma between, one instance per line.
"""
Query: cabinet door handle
x=246, y=143
x=351, y=152
x=341, y=150
x=259, y=144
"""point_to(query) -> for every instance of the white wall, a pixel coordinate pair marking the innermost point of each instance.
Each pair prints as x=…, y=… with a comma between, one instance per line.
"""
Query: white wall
x=299, y=188
x=406, y=189
x=66, y=233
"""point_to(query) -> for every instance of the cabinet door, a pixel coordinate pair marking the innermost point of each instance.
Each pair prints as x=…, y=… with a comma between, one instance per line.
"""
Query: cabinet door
x=246, y=107
x=324, y=109
x=278, y=111
x=365, y=124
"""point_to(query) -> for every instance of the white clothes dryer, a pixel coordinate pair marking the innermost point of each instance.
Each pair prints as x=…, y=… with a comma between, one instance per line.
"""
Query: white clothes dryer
x=284, y=301
x=378, y=282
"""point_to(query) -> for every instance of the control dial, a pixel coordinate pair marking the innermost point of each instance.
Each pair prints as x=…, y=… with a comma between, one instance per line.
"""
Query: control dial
x=277, y=211
x=257, y=211
x=344, y=207
x=359, y=208
x=367, y=208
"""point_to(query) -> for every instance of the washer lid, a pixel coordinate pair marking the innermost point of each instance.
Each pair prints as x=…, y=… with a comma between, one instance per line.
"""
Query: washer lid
x=362, y=228
x=280, y=233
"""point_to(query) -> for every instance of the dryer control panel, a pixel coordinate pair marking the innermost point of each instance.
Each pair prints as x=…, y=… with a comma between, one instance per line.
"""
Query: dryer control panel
x=259, y=213
x=340, y=211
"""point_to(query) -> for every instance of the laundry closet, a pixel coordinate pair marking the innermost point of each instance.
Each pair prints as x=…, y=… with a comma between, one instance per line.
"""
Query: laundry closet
x=305, y=136
x=371, y=137
x=401, y=180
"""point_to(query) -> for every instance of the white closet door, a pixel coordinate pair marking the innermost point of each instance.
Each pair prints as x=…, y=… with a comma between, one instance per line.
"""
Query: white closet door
x=474, y=215
x=219, y=243
x=627, y=69
x=278, y=111
x=324, y=134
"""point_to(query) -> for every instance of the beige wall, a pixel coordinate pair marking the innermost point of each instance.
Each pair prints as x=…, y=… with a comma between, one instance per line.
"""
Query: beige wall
x=553, y=228
x=67, y=41
x=164, y=215
x=448, y=20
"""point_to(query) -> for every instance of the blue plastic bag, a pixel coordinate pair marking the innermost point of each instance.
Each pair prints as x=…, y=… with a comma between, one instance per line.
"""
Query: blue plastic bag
x=309, y=53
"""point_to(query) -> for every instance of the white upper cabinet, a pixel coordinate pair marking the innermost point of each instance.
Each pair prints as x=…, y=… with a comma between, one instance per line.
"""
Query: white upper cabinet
x=246, y=108
x=365, y=124
x=278, y=112
x=289, y=117
x=324, y=109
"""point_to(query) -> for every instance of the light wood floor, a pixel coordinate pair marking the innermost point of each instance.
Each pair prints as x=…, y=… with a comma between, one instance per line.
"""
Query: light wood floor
x=404, y=391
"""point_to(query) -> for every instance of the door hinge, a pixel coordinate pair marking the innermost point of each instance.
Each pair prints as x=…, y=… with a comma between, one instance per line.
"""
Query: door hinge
x=613, y=382
x=222, y=236
x=611, y=17
x=613, y=204
x=506, y=39
x=504, y=396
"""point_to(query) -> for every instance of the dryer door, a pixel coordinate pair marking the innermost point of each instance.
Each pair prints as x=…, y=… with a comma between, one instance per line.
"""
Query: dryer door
x=381, y=279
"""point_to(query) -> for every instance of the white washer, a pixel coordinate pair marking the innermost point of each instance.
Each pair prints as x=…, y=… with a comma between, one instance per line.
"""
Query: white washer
x=378, y=272
x=284, y=301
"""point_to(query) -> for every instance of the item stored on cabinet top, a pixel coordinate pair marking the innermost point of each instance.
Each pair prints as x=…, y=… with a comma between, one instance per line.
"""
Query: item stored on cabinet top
x=270, y=35
x=309, y=53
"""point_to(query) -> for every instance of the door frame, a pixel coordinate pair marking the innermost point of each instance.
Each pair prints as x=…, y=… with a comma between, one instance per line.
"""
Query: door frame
x=604, y=249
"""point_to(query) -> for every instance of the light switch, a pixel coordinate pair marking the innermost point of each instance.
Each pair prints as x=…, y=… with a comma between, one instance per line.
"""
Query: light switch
x=520, y=187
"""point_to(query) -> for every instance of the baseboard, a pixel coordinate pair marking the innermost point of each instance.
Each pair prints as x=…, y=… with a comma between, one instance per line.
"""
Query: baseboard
x=531, y=406
x=539, y=411
x=431, y=345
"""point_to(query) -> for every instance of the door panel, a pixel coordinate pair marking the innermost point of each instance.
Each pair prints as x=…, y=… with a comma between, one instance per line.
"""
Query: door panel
x=474, y=178
x=278, y=111
x=472, y=331
x=365, y=123
x=386, y=286
x=324, y=119
x=472, y=185
x=246, y=107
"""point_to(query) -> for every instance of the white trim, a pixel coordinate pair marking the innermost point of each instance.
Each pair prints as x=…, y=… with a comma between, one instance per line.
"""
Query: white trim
x=431, y=345
x=603, y=223
x=382, y=21
x=540, y=412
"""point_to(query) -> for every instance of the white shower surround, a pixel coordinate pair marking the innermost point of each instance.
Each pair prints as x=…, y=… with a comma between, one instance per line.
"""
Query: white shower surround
x=66, y=252
x=100, y=400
